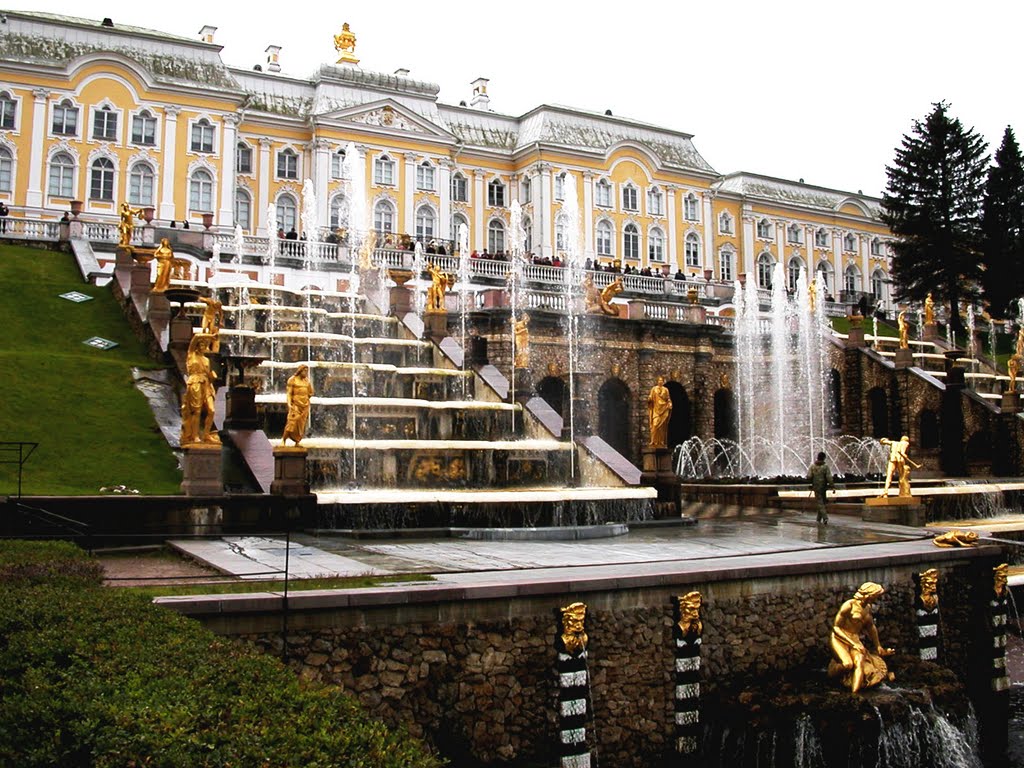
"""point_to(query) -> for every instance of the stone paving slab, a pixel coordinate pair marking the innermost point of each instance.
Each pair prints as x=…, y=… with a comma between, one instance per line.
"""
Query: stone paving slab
x=260, y=557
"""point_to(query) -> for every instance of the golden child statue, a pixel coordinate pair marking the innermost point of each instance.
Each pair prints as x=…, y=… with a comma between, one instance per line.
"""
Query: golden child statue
x=904, y=341
x=659, y=411
x=164, y=265
x=213, y=318
x=197, y=403
x=299, y=392
x=522, y=332
x=125, y=227
x=854, y=664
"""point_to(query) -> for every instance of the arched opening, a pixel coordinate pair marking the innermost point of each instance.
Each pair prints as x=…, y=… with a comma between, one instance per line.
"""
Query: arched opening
x=879, y=406
x=928, y=426
x=613, y=414
x=552, y=390
x=680, y=423
x=725, y=415
x=836, y=388
x=978, y=452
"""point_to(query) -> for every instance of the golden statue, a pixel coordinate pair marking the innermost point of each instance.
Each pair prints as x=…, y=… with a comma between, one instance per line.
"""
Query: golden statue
x=929, y=581
x=366, y=251
x=345, y=45
x=899, y=465
x=1013, y=368
x=599, y=302
x=522, y=333
x=164, y=266
x=1019, y=351
x=659, y=410
x=213, y=318
x=440, y=282
x=812, y=294
x=1000, y=576
x=574, y=637
x=126, y=226
x=902, y=320
x=854, y=664
x=298, y=393
x=689, y=614
x=198, y=401
x=956, y=538
x=929, y=310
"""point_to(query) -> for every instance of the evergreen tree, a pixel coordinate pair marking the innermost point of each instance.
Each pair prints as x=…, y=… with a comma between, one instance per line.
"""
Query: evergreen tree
x=1002, y=224
x=932, y=204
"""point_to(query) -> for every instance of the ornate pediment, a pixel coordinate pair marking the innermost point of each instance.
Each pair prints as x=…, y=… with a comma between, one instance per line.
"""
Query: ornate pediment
x=389, y=115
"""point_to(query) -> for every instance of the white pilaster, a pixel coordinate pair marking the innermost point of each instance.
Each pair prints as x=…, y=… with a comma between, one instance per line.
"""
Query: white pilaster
x=479, y=203
x=321, y=180
x=444, y=179
x=749, y=239
x=780, y=246
x=34, y=194
x=673, y=226
x=588, y=214
x=542, y=236
x=864, y=243
x=409, y=187
x=226, y=215
x=837, y=263
x=170, y=170
x=542, y=205
x=709, y=241
x=265, y=171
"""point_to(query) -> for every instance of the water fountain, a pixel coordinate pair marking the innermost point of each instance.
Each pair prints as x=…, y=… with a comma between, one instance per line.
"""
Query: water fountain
x=573, y=276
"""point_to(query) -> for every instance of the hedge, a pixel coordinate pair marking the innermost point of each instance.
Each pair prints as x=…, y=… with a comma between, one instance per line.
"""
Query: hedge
x=93, y=676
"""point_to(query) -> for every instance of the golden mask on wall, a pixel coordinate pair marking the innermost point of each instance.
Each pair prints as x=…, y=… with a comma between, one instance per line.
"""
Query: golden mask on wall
x=573, y=635
x=689, y=613
x=1000, y=575
x=929, y=581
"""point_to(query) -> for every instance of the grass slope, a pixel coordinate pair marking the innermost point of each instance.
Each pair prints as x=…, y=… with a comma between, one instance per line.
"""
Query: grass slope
x=93, y=427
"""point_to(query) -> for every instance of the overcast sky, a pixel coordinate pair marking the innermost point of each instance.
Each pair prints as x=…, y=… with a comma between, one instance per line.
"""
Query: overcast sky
x=788, y=88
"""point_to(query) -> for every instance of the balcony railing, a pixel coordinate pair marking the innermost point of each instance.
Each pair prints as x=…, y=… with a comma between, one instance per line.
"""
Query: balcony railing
x=29, y=229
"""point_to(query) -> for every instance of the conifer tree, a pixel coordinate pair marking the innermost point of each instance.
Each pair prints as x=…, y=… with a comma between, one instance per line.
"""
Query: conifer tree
x=932, y=204
x=1002, y=224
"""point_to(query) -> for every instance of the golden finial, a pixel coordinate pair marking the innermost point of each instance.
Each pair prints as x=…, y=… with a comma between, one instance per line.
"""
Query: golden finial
x=345, y=45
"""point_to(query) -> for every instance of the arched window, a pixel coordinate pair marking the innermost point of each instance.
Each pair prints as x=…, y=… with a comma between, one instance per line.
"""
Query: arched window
x=8, y=111
x=725, y=223
x=765, y=265
x=339, y=211
x=849, y=242
x=821, y=238
x=460, y=190
x=384, y=171
x=655, y=202
x=338, y=164
x=630, y=242
x=6, y=170
x=383, y=217
x=603, y=193
x=425, y=176
x=496, y=194
x=202, y=135
x=144, y=128
x=877, y=284
x=243, y=209
x=691, y=209
x=287, y=164
x=458, y=220
x=495, y=237
x=200, y=192
x=851, y=279
x=604, y=238
x=629, y=198
x=140, y=184
x=795, y=267
x=656, y=245
x=62, y=176
x=691, y=249
x=287, y=213
x=65, y=119
x=764, y=229
x=424, y=223
x=826, y=275
x=726, y=259
x=101, y=179
x=243, y=158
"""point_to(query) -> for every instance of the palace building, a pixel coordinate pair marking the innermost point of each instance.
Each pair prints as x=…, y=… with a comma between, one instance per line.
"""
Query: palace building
x=96, y=112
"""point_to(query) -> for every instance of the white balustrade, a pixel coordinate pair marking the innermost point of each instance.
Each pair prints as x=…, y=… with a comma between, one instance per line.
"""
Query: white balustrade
x=30, y=229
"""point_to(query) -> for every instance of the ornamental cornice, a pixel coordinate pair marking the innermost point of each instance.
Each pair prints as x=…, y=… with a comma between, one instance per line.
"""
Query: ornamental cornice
x=41, y=94
x=172, y=111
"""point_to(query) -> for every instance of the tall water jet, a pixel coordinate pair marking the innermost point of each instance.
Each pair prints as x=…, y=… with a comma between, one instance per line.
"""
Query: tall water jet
x=419, y=266
x=464, y=278
x=272, y=247
x=971, y=345
x=515, y=281
x=573, y=277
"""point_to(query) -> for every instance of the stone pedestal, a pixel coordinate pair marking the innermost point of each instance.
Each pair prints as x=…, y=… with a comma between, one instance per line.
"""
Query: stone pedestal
x=241, y=408
x=855, y=337
x=1010, y=402
x=123, y=259
x=693, y=313
x=636, y=310
x=658, y=472
x=904, y=358
x=158, y=308
x=401, y=301
x=435, y=325
x=899, y=510
x=494, y=298
x=202, y=470
x=931, y=332
x=181, y=331
x=289, y=471
x=140, y=278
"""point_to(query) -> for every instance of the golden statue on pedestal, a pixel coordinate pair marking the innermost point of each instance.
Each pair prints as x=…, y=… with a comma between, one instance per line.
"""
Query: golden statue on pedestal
x=659, y=411
x=213, y=318
x=299, y=391
x=600, y=302
x=522, y=332
x=956, y=538
x=197, y=404
x=125, y=227
x=899, y=465
x=440, y=282
x=164, y=266
x=574, y=636
x=929, y=310
x=1013, y=369
x=904, y=340
x=345, y=45
x=689, y=614
x=854, y=664
x=929, y=581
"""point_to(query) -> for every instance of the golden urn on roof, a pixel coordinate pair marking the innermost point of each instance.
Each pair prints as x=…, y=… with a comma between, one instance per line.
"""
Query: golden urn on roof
x=345, y=45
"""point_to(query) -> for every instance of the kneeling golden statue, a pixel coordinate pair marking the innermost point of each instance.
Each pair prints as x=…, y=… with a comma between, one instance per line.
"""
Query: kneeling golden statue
x=854, y=664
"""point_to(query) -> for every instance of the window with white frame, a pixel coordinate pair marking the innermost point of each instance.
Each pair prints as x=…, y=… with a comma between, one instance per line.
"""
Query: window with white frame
x=821, y=238
x=8, y=111
x=202, y=136
x=876, y=247
x=851, y=279
x=65, y=119
x=496, y=194
x=458, y=220
x=200, y=191
x=338, y=164
x=691, y=250
x=384, y=217
x=655, y=202
x=726, y=259
x=603, y=193
x=338, y=211
x=629, y=198
x=794, y=268
x=424, y=223
x=691, y=207
x=144, y=128
x=656, y=245
x=825, y=275
x=560, y=186
x=287, y=213
x=6, y=170
x=287, y=164
x=141, y=181
x=460, y=189
x=527, y=234
x=243, y=209
x=425, y=176
x=604, y=238
x=62, y=175
x=495, y=236
x=243, y=158
x=877, y=284
x=849, y=242
x=764, y=229
x=765, y=267
x=525, y=192
x=794, y=234
x=630, y=242
x=384, y=171
x=104, y=123
x=725, y=223
x=101, y=179
x=560, y=244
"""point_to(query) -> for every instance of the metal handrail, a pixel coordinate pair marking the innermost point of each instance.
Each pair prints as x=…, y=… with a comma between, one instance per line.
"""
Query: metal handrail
x=17, y=447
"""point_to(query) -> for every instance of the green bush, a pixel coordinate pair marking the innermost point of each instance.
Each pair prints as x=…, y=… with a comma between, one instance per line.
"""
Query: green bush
x=92, y=676
x=32, y=562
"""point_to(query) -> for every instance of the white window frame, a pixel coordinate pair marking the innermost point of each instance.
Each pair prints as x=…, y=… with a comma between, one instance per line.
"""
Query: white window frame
x=655, y=202
x=242, y=196
x=691, y=250
x=560, y=186
x=113, y=178
x=144, y=116
x=383, y=171
x=765, y=267
x=135, y=174
x=109, y=114
x=10, y=105
x=795, y=234
x=286, y=164
x=876, y=247
x=631, y=241
x=460, y=188
x=496, y=236
x=630, y=197
x=825, y=274
x=199, y=188
x=793, y=267
x=71, y=178
x=603, y=193
x=7, y=165
x=66, y=105
x=287, y=217
x=878, y=278
x=726, y=261
x=426, y=177
x=851, y=279
x=453, y=226
x=426, y=223
x=691, y=207
x=496, y=196
x=656, y=245
x=849, y=243
x=338, y=202
x=338, y=164
x=726, y=224
x=202, y=123
x=243, y=146
x=764, y=230
x=604, y=238
x=384, y=217
x=821, y=238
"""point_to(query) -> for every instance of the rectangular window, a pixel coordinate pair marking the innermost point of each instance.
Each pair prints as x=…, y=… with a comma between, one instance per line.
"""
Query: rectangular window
x=287, y=165
x=496, y=194
x=8, y=107
x=65, y=120
x=383, y=172
x=202, y=137
x=425, y=177
x=243, y=159
x=61, y=178
x=629, y=198
x=603, y=196
x=460, y=192
x=144, y=130
x=104, y=125
x=525, y=192
x=725, y=265
x=101, y=186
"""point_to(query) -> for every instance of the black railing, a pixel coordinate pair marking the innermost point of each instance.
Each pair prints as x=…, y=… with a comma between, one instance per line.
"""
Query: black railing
x=17, y=452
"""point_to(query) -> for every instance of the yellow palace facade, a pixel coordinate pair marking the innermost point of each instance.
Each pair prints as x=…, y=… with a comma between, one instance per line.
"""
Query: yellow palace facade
x=94, y=112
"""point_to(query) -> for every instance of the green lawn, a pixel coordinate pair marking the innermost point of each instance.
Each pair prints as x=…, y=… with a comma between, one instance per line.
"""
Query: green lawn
x=93, y=427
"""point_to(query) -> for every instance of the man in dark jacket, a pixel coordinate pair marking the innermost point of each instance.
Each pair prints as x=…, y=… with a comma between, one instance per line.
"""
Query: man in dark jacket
x=821, y=481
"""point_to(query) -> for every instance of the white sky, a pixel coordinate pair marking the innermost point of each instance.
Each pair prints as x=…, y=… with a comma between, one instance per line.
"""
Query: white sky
x=791, y=88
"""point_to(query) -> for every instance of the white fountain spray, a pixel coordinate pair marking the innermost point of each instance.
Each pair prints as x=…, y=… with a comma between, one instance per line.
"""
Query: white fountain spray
x=463, y=275
x=272, y=246
x=971, y=344
x=419, y=265
x=311, y=230
x=215, y=260
x=355, y=216
x=573, y=276
x=515, y=279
